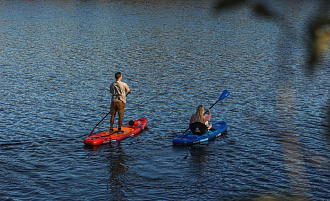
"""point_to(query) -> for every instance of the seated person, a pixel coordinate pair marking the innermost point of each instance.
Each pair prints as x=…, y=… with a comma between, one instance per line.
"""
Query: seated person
x=199, y=121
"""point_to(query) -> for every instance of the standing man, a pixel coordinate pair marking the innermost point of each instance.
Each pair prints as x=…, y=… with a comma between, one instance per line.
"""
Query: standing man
x=118, y=90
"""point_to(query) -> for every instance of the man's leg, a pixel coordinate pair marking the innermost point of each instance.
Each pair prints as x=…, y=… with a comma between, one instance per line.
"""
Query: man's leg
x=121, y=109
x=112, y=120
x=113, y=114
x=120, y=122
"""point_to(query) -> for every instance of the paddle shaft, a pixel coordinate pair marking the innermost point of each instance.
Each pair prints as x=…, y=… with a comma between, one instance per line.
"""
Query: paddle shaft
x=213, y=105
x=133, y=80
x=98, y=123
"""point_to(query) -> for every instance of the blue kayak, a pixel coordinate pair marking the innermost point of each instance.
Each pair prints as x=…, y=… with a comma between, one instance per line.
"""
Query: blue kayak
x=189, y=138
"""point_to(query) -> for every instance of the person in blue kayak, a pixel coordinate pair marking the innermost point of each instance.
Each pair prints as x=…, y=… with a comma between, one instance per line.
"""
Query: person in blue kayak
x=118, y=90
x=199, y=121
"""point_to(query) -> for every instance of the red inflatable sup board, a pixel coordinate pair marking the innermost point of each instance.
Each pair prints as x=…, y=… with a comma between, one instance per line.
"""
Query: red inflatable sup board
x=130, y=129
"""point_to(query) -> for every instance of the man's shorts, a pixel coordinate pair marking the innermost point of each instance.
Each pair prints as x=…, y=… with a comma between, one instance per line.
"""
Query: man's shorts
x=117, y=106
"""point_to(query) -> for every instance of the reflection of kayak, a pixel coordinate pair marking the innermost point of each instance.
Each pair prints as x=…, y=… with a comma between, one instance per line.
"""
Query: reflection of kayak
x=130, y=129
x=190, y=139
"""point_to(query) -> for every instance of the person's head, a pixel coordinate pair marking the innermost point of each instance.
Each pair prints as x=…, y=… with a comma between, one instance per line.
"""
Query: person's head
x=199, y=115
x=118, y=75
x=200, y=110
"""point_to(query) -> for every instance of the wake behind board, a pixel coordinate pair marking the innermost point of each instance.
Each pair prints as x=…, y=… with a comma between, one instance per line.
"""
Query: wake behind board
x=189, y=138
x=130, y=129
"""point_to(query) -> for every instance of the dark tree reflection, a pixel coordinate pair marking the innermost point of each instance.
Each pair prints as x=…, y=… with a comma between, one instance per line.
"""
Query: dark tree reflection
x=318, y=33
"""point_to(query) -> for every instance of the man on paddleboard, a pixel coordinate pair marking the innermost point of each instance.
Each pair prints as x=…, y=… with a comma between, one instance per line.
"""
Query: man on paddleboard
x=118, y=90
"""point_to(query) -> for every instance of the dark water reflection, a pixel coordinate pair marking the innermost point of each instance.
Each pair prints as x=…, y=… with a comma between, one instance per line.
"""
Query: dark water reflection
x=58, y=58
x=117, y=167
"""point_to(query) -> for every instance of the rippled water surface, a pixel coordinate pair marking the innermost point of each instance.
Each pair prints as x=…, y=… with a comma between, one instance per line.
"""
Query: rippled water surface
x=58, y=59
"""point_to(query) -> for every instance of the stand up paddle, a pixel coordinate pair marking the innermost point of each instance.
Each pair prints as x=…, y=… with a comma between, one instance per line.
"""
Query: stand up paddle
x=98, y=123
x=224, y=94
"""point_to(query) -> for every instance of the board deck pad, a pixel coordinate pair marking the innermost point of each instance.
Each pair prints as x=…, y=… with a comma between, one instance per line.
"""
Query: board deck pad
x=115, y=131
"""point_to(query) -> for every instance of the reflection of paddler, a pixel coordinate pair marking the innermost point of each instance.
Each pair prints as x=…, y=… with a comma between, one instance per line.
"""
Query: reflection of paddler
x=118, y=90
x=117, y=169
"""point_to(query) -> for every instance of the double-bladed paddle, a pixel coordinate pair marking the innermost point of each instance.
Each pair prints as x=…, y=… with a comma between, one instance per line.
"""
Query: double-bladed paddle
x=224, y=94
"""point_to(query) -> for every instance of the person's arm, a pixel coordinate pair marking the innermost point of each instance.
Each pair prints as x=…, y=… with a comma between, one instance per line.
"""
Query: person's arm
x=111, y=88
x=192, y=120
x=208, y=116
x=127, y=89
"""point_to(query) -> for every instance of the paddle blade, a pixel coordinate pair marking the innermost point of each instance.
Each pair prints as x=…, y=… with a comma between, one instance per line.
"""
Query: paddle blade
x=224, y=94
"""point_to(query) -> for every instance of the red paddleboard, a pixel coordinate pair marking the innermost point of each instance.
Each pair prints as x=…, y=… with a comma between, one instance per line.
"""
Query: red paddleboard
x=130, y=129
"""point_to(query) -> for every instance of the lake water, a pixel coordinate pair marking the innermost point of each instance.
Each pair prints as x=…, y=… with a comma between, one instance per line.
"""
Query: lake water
x=58, y=59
